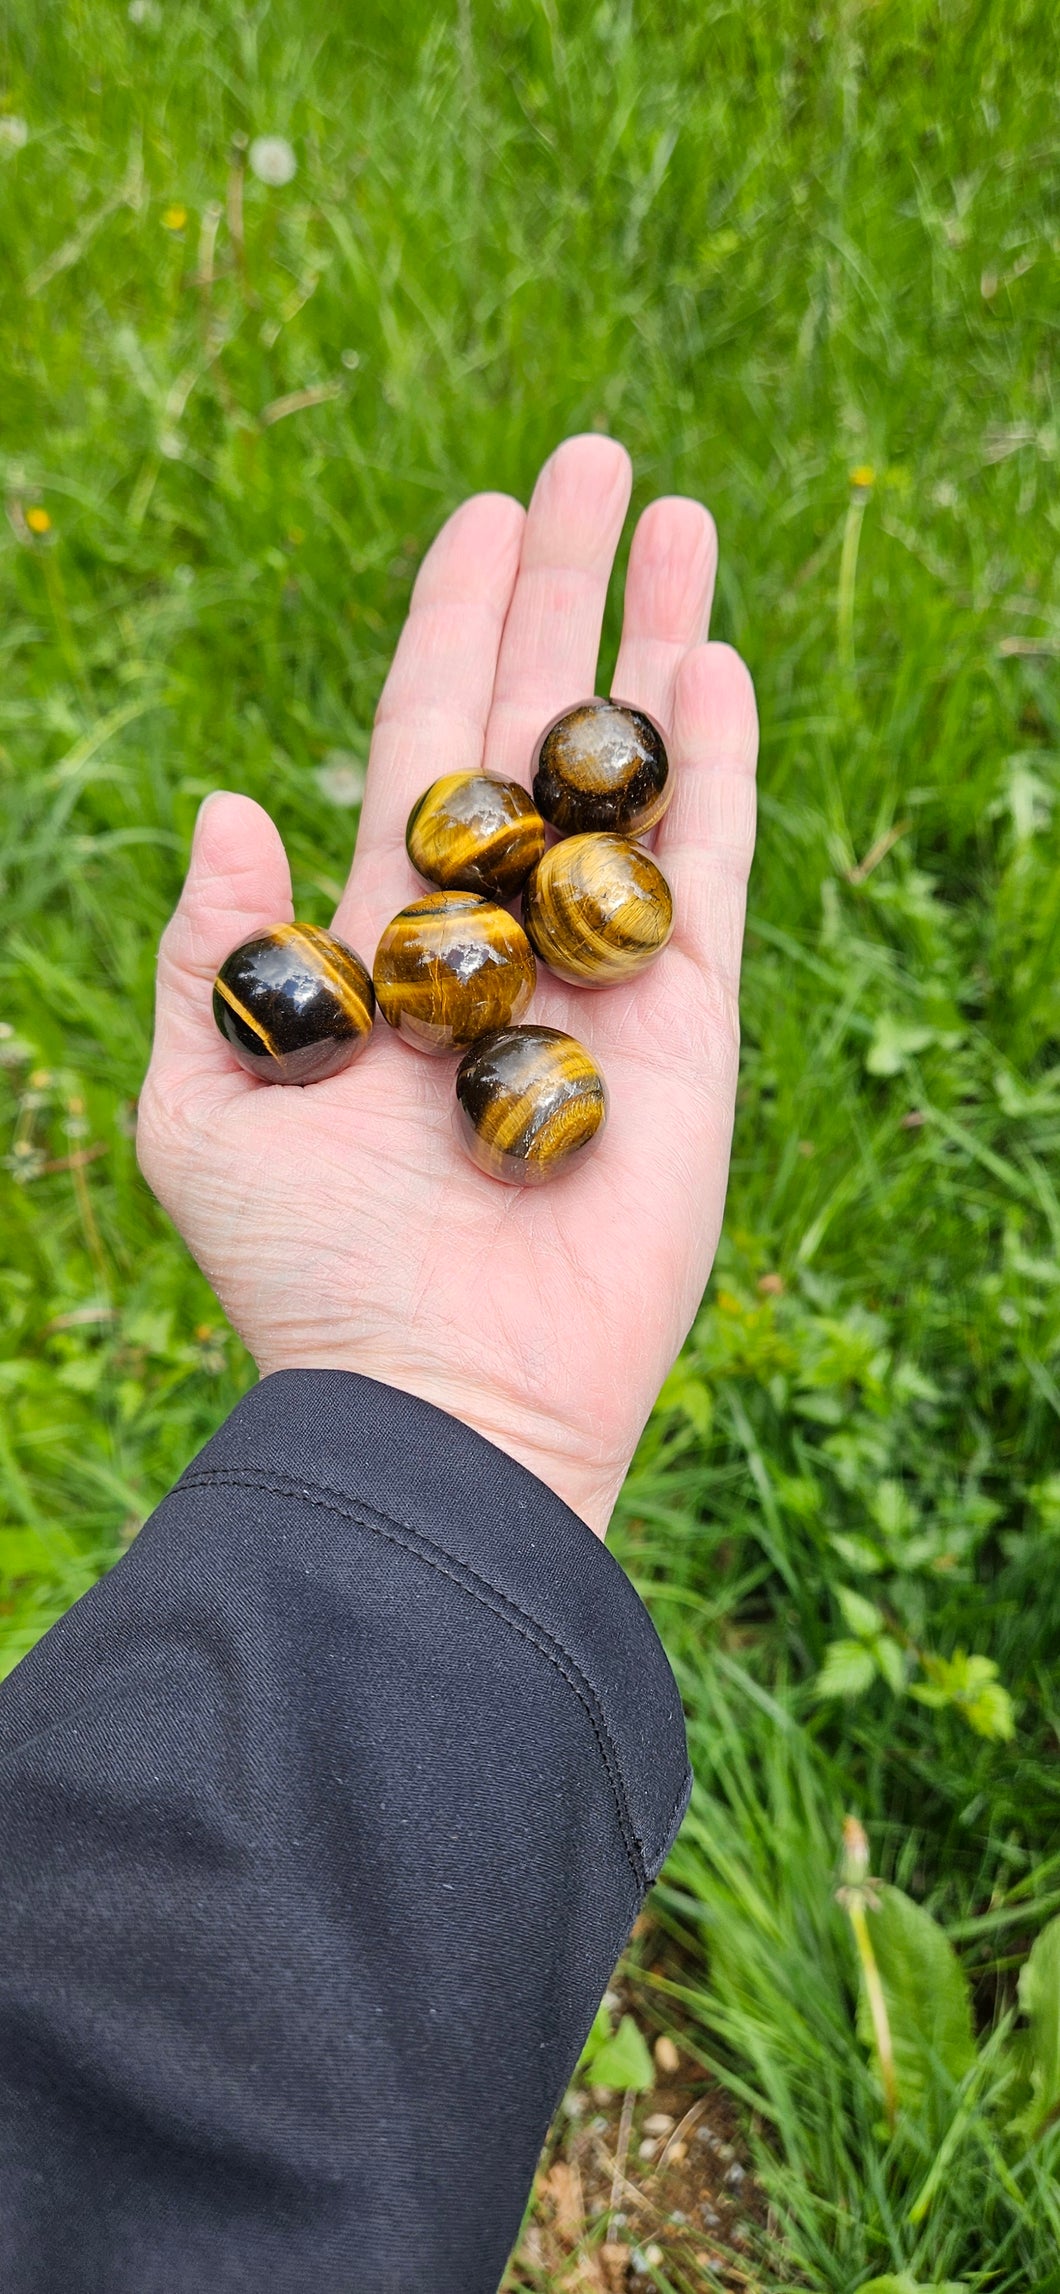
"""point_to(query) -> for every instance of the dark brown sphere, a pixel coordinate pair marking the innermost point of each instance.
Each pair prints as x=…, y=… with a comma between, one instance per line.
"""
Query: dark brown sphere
x=471, y=833
x=602, y=765
x=294, y=1004
x=450, y=968
x=530, y=1103
x=597, y=909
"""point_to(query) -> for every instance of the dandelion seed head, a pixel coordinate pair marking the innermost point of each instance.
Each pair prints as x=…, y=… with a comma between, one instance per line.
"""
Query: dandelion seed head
x=272, y=160
x=341, y=778
x=14, y=132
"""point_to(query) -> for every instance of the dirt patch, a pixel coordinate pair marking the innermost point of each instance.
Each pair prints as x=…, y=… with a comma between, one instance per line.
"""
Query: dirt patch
x=636, y=2191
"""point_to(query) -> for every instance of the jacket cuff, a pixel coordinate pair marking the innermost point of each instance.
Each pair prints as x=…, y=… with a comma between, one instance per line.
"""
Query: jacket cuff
x=408, y=1472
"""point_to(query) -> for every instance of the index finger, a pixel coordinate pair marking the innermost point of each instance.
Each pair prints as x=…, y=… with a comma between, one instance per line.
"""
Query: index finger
x=435, y=704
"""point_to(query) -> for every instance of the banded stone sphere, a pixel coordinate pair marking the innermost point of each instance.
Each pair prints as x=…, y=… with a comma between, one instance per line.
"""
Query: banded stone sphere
x=294, y=1004
x=530, y=1104
x=472, y=833
x=450, y=968
x=597, y=909
x=602, y=766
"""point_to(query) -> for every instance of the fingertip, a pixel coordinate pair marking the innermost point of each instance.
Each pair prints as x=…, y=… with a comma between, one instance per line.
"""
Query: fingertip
x=594, y=449
x=673, y=560
x=587, y=472
x=477, y=550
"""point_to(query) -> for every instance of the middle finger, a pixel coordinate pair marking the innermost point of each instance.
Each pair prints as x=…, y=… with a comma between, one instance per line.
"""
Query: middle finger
x=552, y=634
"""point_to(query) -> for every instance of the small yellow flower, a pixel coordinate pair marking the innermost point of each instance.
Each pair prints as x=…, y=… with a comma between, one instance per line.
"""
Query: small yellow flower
x=174, y=218
x=295, y=536
x=864, y=476
x=38, y=520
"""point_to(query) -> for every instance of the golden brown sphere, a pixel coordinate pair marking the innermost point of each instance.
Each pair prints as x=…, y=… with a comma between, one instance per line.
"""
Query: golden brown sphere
x=530, y=1102
x=602, y=765
x=450, y=968
x=294, y=1004
x=597, y=909
x=471, y=833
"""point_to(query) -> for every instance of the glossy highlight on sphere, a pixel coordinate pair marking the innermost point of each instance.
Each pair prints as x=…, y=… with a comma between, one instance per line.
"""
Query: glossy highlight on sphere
x=530, y=1102
x=452, y=967
x=294, y=1004
x=471, y=833
x=597, y=909
x=602, y=766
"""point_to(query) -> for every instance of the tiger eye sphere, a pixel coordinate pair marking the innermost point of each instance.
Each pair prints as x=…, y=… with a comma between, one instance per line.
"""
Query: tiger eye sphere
x=471, y=833
x=452, y=967
x=529, y=1104
x=602, y=765
x=294, y=1004
x=597, y=909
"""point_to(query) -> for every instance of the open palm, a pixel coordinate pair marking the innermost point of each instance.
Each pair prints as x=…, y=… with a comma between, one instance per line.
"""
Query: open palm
x=342, y=1226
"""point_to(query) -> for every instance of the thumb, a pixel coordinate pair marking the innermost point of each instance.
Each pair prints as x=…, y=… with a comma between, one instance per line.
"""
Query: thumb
x=238, y=883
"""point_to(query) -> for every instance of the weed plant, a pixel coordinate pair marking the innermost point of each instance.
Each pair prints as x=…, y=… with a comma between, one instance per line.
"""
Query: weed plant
x=802, y=258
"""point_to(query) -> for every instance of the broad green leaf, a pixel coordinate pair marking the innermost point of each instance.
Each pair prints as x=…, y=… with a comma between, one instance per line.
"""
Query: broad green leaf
x=858, y=1554
x=928, y=2005
x=895, y=1041
x=900, y=2282
x=860, y=1617
x=599, y=2034
x=891, y=1661
x=991, y=1713
x=624, y=2062
x=848, y=1669
x=1039, y=1991
x=971, y=1686
x=691, y=1395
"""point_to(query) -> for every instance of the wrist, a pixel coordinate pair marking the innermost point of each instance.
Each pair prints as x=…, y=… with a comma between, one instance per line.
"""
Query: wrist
x=554, y=1453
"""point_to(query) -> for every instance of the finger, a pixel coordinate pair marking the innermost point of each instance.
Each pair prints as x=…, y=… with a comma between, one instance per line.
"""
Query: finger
x=705, y=842
x=552, y=635
x=432, y=715
x=238, y=883
x=669, y=590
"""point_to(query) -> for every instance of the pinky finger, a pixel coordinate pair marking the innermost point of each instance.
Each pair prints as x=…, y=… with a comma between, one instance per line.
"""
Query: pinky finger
x=705, y=843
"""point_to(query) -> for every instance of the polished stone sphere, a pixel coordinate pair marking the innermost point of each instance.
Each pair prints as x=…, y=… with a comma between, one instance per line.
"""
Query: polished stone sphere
x=294, y=1004
x=450, y=968
x=602, y=765
x=530, y=1103
x=471, y=833
x=597, y=909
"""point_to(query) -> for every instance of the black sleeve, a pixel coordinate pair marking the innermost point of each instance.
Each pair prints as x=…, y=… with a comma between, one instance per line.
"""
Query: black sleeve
x=324, y=1818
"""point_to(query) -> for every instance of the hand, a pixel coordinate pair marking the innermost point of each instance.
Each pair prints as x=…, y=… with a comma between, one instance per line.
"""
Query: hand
x=341, y=1226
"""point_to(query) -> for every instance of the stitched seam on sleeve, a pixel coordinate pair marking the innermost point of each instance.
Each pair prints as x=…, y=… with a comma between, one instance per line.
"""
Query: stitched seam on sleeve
x=672, y=1826
x=461, y=1574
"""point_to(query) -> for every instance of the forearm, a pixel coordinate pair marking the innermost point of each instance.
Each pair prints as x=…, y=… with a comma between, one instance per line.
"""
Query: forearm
x=325, y=1817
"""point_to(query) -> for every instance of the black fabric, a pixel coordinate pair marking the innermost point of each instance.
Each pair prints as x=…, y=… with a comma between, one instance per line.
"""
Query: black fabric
x=324, y=1818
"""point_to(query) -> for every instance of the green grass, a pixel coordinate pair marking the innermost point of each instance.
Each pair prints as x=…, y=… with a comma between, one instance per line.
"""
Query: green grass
x=767, y=246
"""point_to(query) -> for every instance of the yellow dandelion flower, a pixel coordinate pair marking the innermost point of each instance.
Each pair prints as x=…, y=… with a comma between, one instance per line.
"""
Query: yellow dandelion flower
x=38, y=520
x=174, y=218
x=864, y=476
